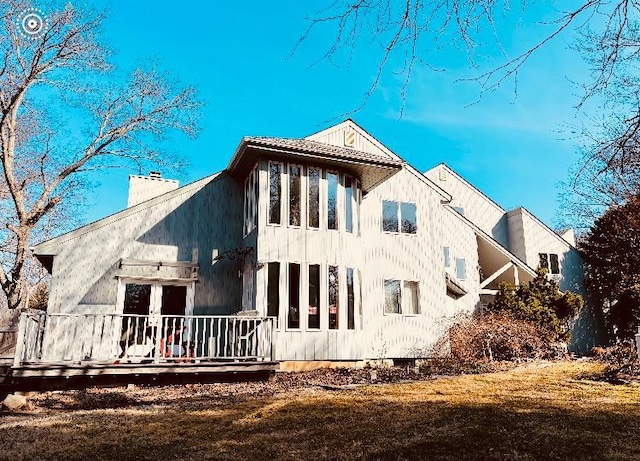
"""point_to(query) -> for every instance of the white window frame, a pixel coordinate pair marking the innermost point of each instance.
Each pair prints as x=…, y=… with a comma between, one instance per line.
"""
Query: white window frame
x=464, y=265
x=320, y=197
x=399, y=204
x=402, y=297
x=302, y=194
x=155, y=302
x=549, y=265
x=284, y=180
x=337, y=204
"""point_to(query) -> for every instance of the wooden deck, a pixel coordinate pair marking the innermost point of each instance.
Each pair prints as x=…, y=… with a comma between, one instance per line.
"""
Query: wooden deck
x=50, y=376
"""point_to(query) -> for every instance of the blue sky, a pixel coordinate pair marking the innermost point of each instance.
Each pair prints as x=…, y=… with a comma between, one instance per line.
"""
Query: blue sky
x=515, y=148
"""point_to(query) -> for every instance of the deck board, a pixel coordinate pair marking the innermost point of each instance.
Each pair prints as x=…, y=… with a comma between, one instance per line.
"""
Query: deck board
x=48, y=370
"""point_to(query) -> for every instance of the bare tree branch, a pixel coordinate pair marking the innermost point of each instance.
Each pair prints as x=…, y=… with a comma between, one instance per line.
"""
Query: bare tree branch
x=42, y=168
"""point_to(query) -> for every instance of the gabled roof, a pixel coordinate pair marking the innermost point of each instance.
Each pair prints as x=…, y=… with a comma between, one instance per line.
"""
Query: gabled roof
x=372, y=167
x=467, y=183
x=559, y=237
x=349, y=124
x=50, y=247
x=494, y=244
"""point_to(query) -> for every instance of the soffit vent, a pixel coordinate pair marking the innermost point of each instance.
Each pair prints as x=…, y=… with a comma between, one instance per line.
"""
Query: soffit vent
x=349, y=138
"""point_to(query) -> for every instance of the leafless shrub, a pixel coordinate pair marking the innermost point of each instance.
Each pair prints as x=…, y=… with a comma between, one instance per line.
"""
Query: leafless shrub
x=621, y=360
x=481, y=342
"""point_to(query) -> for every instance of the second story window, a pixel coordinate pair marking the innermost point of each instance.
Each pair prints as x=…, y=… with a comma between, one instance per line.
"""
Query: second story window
x=314, y=196
x=275, y=192
x=399, y=217
x=348, y=203
x=461, y=268
x=295, y=199
x=408, y=217
x=332, y=200
x=389, y=216
x=550, y=262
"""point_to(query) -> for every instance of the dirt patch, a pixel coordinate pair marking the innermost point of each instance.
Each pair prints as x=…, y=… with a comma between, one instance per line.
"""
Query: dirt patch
x=194, y=395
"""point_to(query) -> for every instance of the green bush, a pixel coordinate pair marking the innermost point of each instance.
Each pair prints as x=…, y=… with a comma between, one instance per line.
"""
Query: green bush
x=541, y=303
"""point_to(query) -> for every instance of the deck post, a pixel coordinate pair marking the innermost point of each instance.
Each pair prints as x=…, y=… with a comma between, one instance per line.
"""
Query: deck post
x=20, y=343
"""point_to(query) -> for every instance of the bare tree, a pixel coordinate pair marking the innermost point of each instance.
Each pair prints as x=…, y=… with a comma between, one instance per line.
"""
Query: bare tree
x=410, y=33
x=414, y=29
x=63, y=115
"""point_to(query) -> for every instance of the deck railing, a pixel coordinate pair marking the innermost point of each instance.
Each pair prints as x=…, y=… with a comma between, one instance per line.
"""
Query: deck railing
x=49, y=338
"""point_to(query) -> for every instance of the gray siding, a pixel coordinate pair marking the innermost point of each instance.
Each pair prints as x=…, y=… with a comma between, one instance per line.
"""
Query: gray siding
x=179, y=226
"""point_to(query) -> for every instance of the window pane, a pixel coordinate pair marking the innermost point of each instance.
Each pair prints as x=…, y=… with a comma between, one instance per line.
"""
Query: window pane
x=137, y=299
x=461, y=268
x=174, y=300
x=389, y=216
x=555, y=264
x=410, y=298
x=447, y=257
x=246, y=205
x=294, y=296
x=334, y=306
x=351, y=317
x=314, y=296
x=392, y=297
x=275, y=192
x=273, y=289
x=408, y=214
x=544, y=261
x=294, y=195
x=254, y=205
x=348, y=203
x=332, y=200
x=314, y=197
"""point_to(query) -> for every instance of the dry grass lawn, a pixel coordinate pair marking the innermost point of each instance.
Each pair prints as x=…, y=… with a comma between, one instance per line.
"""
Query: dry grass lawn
x=545, y=411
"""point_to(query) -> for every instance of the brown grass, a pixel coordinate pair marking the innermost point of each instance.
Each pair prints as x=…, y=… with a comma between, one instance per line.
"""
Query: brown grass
x=543, y=411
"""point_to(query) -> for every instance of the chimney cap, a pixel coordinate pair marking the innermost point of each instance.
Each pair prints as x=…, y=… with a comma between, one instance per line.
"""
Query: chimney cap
x=155, y=174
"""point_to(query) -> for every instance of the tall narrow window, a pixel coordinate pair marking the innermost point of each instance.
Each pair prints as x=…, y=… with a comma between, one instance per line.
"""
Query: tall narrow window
x=314, y=296
x=351, y=315
x=555, y=264
x=447, y=257
x=273, y=289
x=254, y=205
x=246, y=207
x=392, y=297
x=410, y=298
x=334, y=305
x=293, y=320
x=250, y=201
x=295, y=172
x=314, y=197
x=461, y=268
x=332, y=200
x=408, y=216
x=389, y=216
x=275, y=192
x=348, y=203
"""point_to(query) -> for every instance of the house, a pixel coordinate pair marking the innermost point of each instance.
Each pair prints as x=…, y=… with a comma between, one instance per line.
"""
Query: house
x=328, y=248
